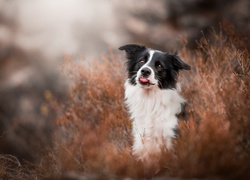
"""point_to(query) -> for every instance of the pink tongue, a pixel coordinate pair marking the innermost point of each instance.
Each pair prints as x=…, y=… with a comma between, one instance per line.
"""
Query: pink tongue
x=144, y=80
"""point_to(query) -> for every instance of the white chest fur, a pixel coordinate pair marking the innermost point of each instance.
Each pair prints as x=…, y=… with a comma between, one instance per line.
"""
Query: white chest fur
x=153, y=114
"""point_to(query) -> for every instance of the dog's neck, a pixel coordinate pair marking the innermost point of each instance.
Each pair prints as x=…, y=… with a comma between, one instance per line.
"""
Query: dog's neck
x=151, y=101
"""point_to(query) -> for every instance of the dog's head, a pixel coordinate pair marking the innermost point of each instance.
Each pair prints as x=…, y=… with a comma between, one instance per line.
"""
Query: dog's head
x=150, y=68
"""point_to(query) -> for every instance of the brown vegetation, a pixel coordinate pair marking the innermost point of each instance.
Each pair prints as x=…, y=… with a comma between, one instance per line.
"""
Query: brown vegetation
x=93, y=135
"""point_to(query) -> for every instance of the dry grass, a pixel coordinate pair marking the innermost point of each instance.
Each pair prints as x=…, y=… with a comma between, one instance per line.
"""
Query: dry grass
x=93, y=134
x=215, y=140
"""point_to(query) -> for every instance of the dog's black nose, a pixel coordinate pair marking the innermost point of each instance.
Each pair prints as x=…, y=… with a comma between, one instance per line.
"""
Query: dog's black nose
x=145, y=72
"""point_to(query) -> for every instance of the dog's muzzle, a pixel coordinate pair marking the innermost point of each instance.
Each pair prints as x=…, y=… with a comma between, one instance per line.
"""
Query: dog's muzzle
x=144, y=77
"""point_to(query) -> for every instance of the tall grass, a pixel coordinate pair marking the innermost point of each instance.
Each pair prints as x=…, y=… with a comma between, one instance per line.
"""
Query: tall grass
x=215, y=141
x=94, y=132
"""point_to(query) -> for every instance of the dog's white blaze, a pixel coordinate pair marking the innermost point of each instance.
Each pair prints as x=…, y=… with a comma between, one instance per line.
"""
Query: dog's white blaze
x=151, y=53
x=153, y=113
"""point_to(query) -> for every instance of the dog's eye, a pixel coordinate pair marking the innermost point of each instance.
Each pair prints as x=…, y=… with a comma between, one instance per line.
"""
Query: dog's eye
x=142, y=61
x=158, y=65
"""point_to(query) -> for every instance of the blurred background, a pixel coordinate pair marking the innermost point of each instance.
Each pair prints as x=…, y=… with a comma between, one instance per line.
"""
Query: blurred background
x=37, y=36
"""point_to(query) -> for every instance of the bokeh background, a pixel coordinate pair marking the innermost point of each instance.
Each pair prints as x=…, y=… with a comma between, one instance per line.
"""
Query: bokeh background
x=38, y=36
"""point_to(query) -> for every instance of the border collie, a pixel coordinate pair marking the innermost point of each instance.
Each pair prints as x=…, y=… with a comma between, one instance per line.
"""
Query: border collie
x=152, y=97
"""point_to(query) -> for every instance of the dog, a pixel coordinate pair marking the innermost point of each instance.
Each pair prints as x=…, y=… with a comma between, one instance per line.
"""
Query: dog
x=152, y=98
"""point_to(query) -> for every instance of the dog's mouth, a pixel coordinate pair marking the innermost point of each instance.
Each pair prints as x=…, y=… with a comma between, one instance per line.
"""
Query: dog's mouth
x=145, y=81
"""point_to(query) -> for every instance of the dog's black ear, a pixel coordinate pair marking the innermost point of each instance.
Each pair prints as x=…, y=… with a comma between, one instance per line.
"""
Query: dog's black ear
x=178, y=63
x=132, y=49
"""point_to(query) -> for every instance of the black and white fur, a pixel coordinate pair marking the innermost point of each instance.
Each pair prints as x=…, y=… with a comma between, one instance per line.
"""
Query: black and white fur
x=152, y=97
